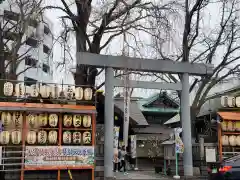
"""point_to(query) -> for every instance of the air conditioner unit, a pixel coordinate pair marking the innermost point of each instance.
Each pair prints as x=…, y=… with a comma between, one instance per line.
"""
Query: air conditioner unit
x=224, y=101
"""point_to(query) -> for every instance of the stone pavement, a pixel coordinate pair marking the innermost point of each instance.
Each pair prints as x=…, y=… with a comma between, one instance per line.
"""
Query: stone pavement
x=148, y=175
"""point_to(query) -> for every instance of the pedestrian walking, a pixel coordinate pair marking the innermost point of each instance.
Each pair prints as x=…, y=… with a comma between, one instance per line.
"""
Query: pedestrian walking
x=115, y=160
x=119, y=158
x=128, y=158
x=123, y=159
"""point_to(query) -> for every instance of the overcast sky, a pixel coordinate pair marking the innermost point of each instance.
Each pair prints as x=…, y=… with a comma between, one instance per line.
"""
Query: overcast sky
x=211, y=19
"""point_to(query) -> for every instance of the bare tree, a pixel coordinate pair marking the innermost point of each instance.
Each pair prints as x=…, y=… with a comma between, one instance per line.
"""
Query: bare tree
x=218, y=46
x=93, y=21
x=20, y=19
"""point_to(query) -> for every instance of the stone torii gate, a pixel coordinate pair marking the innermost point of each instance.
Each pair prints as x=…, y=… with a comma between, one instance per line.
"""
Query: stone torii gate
x=145, y=65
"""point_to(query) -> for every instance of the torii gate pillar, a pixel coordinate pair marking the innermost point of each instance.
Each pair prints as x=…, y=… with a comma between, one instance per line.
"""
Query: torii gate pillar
x=186, y=126
x=108, y=123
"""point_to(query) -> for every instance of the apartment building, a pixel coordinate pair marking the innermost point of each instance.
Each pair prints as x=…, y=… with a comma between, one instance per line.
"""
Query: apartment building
x=37, y=42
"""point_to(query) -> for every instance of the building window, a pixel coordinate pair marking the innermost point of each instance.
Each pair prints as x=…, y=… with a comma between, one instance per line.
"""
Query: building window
x=33, y=23
x=29, y=81
x=45, y=68
x=46, y=30
x=31, y=62
x=10, y=35
x=46, y=49
x=32, y=42
x=11, y=15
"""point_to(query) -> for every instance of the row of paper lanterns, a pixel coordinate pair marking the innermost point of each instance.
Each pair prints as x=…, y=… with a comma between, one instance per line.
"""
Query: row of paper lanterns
x=230, y=125
x=42, y=137
x=52, y=91
x=230, y=101
x=35, y=120
x=231, y=140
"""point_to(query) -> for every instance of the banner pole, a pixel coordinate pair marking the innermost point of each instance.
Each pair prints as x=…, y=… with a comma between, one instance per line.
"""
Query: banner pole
x=178, y=149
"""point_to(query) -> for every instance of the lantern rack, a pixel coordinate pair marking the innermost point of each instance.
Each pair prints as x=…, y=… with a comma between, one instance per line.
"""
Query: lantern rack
x=67, y=127
x=228, y=135
x=37, y=92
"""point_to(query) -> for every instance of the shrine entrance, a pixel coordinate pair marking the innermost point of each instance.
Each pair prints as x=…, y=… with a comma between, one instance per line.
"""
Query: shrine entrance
x=144, y=65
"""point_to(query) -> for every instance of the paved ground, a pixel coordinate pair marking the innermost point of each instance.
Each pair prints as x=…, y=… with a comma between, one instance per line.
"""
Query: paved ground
x=148, y=175
x=140, y=175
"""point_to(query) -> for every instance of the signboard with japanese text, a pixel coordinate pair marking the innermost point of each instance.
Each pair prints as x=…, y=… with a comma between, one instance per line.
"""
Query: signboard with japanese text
x=210, y=155
x=126, y=107
x=116, y=136
x=133, y=139
x=179, y=146
x=55, y=156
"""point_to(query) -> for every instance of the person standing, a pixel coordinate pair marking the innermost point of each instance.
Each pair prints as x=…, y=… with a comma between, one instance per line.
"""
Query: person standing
x=123, y=160
x=119, y=158
x=115, y=160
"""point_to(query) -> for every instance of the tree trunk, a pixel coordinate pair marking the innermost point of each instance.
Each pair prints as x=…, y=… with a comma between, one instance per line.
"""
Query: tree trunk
x=194, y=112
x=2, y=62
x=85, y=75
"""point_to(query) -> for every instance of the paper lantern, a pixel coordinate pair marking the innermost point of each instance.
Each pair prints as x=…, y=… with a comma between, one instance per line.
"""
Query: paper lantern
x=234, y=125
x=230, y=126
x=87, y=139
x=87, y=121
x=16, y=137
x=48, y=91
x=17, y=119
x=53, y=120
x=225, y=141
x=70, y=91
x=67, y=137
x=42, y=137
x=42, y=120
x=224, y=125
x=237, y=126
x=238, y=140
x=77, y=120
x=31, y=137
x=8, y=89
x=4, y=137
x=44, y=91
x=237, y=101
x=6, y=119
x=79, y=93
x=77, y=137
x=19, y=90
x=52, y=93
x=55, y=91
x=28, y=91
x=52, y=137
x=62, y=94
x=88, y=94
x=231, y=101
x=232, y=140
x=32, y=120
x=67, y=120
x=224, y=101
x=34, y=90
